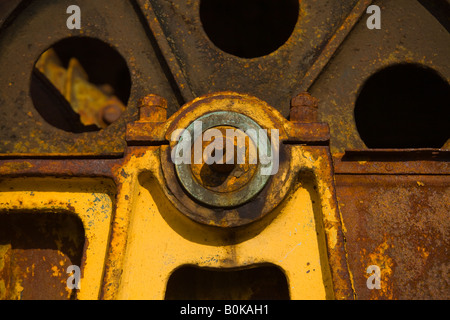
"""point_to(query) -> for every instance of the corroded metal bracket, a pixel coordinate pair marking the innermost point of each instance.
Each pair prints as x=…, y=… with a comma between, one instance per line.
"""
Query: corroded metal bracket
x=293, y=222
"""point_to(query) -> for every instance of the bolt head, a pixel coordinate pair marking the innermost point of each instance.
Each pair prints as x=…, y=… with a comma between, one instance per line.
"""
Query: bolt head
x=153, y=100
x=304, y=99
x=153, y=108
x=304, y=108
x=111, y=113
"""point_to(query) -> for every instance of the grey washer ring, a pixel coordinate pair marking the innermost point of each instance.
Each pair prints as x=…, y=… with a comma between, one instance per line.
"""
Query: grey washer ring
x=238, y=197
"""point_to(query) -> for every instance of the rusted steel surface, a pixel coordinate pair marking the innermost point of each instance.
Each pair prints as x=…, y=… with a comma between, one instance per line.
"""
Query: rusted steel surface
x=393, y=162
x=409, y=35
x=392, y=205
x=333, y=44
x=395, y=206
x=63, y=167
x=400, y=224
x=120, y=169
x=178, y=61
x=272, y=194
x=30, y=31
x=6, y=8
x=195, y=60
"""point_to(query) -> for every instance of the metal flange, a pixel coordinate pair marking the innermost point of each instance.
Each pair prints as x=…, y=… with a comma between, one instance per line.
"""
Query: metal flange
x=217, y=194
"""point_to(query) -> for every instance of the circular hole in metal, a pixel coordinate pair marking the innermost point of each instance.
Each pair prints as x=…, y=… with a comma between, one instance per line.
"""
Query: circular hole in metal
x=249, y=28
x=80, y=84
x=404, y=106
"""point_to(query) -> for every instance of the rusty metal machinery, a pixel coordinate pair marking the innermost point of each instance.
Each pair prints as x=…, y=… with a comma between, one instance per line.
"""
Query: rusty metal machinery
x=90, y=119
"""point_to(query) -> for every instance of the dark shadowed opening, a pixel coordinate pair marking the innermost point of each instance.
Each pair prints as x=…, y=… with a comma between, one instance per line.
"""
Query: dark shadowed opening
x=265, y=282
x=404, y=106
x=249, y=28
x=106, y=69
x=35, y=250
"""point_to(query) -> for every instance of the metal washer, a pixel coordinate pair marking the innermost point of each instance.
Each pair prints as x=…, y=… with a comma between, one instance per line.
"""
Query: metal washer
x=202, y=194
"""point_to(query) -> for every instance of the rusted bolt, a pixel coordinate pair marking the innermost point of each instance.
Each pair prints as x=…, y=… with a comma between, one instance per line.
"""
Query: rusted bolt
x=111, y=113
x=153, y=108
x=304, y=108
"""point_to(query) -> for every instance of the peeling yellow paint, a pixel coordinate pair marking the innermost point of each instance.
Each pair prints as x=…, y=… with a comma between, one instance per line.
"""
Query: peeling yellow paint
x=56, y=272
x=423, y=252
x=155, y=246
x=88, y=198
x=17, y=290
